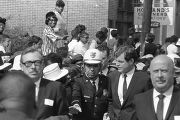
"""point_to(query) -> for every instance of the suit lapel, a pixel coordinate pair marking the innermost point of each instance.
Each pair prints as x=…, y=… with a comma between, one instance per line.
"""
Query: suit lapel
x=151, y=111
x=130, y=88
x=42, y=89
x=100, y=87
x=173, y=102
x=116, y=84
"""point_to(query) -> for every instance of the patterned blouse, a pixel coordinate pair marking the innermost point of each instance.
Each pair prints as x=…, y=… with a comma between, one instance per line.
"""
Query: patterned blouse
x=49, y=41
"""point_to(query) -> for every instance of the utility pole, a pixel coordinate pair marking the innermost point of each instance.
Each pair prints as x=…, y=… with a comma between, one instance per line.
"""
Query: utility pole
x=146, y=23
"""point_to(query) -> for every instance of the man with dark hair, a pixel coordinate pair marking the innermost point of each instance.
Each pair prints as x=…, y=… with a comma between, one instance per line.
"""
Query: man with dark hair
x=125, y=83
x=53, y=58
x=150, y=47
x=50, y=96
x=90, y=91
x=101, y=40
x=17, y=92
x=112, y=43
x=34, y=41
x=105, y=58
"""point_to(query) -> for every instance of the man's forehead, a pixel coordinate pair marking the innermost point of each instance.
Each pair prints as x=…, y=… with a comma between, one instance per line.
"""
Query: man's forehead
x=32, y=56
x=120, y=57
x=157, y=65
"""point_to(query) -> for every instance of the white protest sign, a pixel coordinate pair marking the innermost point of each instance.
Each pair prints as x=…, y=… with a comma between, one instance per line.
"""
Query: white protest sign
x=163, y=15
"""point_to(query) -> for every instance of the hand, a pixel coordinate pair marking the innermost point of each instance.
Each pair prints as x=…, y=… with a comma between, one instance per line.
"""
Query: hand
x=73, y=110
x=106, y=116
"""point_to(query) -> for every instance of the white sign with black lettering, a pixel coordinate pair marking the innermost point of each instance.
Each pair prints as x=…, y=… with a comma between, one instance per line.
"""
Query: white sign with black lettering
x=163, y=15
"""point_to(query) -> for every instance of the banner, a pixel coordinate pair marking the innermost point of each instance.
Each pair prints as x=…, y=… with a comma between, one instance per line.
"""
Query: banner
x=163, y=15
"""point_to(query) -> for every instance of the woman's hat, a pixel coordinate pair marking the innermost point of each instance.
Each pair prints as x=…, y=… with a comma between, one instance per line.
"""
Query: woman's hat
x=53, y=72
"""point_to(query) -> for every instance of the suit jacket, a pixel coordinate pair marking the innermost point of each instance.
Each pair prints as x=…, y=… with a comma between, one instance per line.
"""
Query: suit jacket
x=140, y=82
x=51, y=99
x=144, y=105
x=93, y=105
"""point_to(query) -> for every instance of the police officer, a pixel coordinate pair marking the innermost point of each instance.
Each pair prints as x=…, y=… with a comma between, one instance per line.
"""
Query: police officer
x=90, y=90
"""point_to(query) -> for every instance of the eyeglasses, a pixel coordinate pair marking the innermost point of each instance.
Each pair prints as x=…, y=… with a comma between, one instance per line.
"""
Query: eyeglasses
x=29, y=63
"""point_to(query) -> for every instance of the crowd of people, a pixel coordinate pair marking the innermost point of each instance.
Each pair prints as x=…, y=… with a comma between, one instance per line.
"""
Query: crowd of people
x=71, y=77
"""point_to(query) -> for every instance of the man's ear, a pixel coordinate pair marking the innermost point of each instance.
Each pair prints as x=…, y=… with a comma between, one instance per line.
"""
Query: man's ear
x=131, y=61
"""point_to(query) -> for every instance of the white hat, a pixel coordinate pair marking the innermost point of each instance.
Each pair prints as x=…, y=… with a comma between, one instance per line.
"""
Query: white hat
x=53, y=72
x=5, y=65
x=92, y=56
x=16, y=63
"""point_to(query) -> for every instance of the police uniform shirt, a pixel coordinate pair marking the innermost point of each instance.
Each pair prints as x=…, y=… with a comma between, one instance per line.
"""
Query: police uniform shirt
x=96, y=83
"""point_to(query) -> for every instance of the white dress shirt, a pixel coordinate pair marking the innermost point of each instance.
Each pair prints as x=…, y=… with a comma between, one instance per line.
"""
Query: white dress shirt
x=72, y=44
x=37, y=83
x=167, y=99
x=121, y=81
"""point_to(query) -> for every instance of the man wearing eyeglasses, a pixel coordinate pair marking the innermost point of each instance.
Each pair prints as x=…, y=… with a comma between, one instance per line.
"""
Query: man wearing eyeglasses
x=89, y=96
x=50, y=96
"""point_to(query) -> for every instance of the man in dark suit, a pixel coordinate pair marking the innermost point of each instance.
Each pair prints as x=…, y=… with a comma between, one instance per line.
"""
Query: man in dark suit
x=162, y=102
x=50, y=96
x=125, y=83
x=16, y=96
x=90, y=91
x=150, y=47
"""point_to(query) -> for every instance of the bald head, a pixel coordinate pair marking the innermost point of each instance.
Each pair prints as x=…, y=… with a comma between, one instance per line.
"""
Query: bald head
x=162, y=73
x=17, y=92
x=164, y=59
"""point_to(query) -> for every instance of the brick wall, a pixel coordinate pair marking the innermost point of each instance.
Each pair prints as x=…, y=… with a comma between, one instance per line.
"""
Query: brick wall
x=29, y=15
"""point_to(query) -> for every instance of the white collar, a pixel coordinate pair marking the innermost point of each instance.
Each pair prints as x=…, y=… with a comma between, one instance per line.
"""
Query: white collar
x=168, y=93
x=131, y=72
x=37, y=83
x=96, y=81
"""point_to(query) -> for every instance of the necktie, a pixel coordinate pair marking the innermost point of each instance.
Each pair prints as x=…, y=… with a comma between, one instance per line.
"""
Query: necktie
x=160, y=107
x=36, y=92
x=94, y=86
x=124, y=86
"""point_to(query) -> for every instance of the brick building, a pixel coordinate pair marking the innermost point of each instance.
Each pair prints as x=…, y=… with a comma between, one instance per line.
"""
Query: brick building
x=29, y=15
